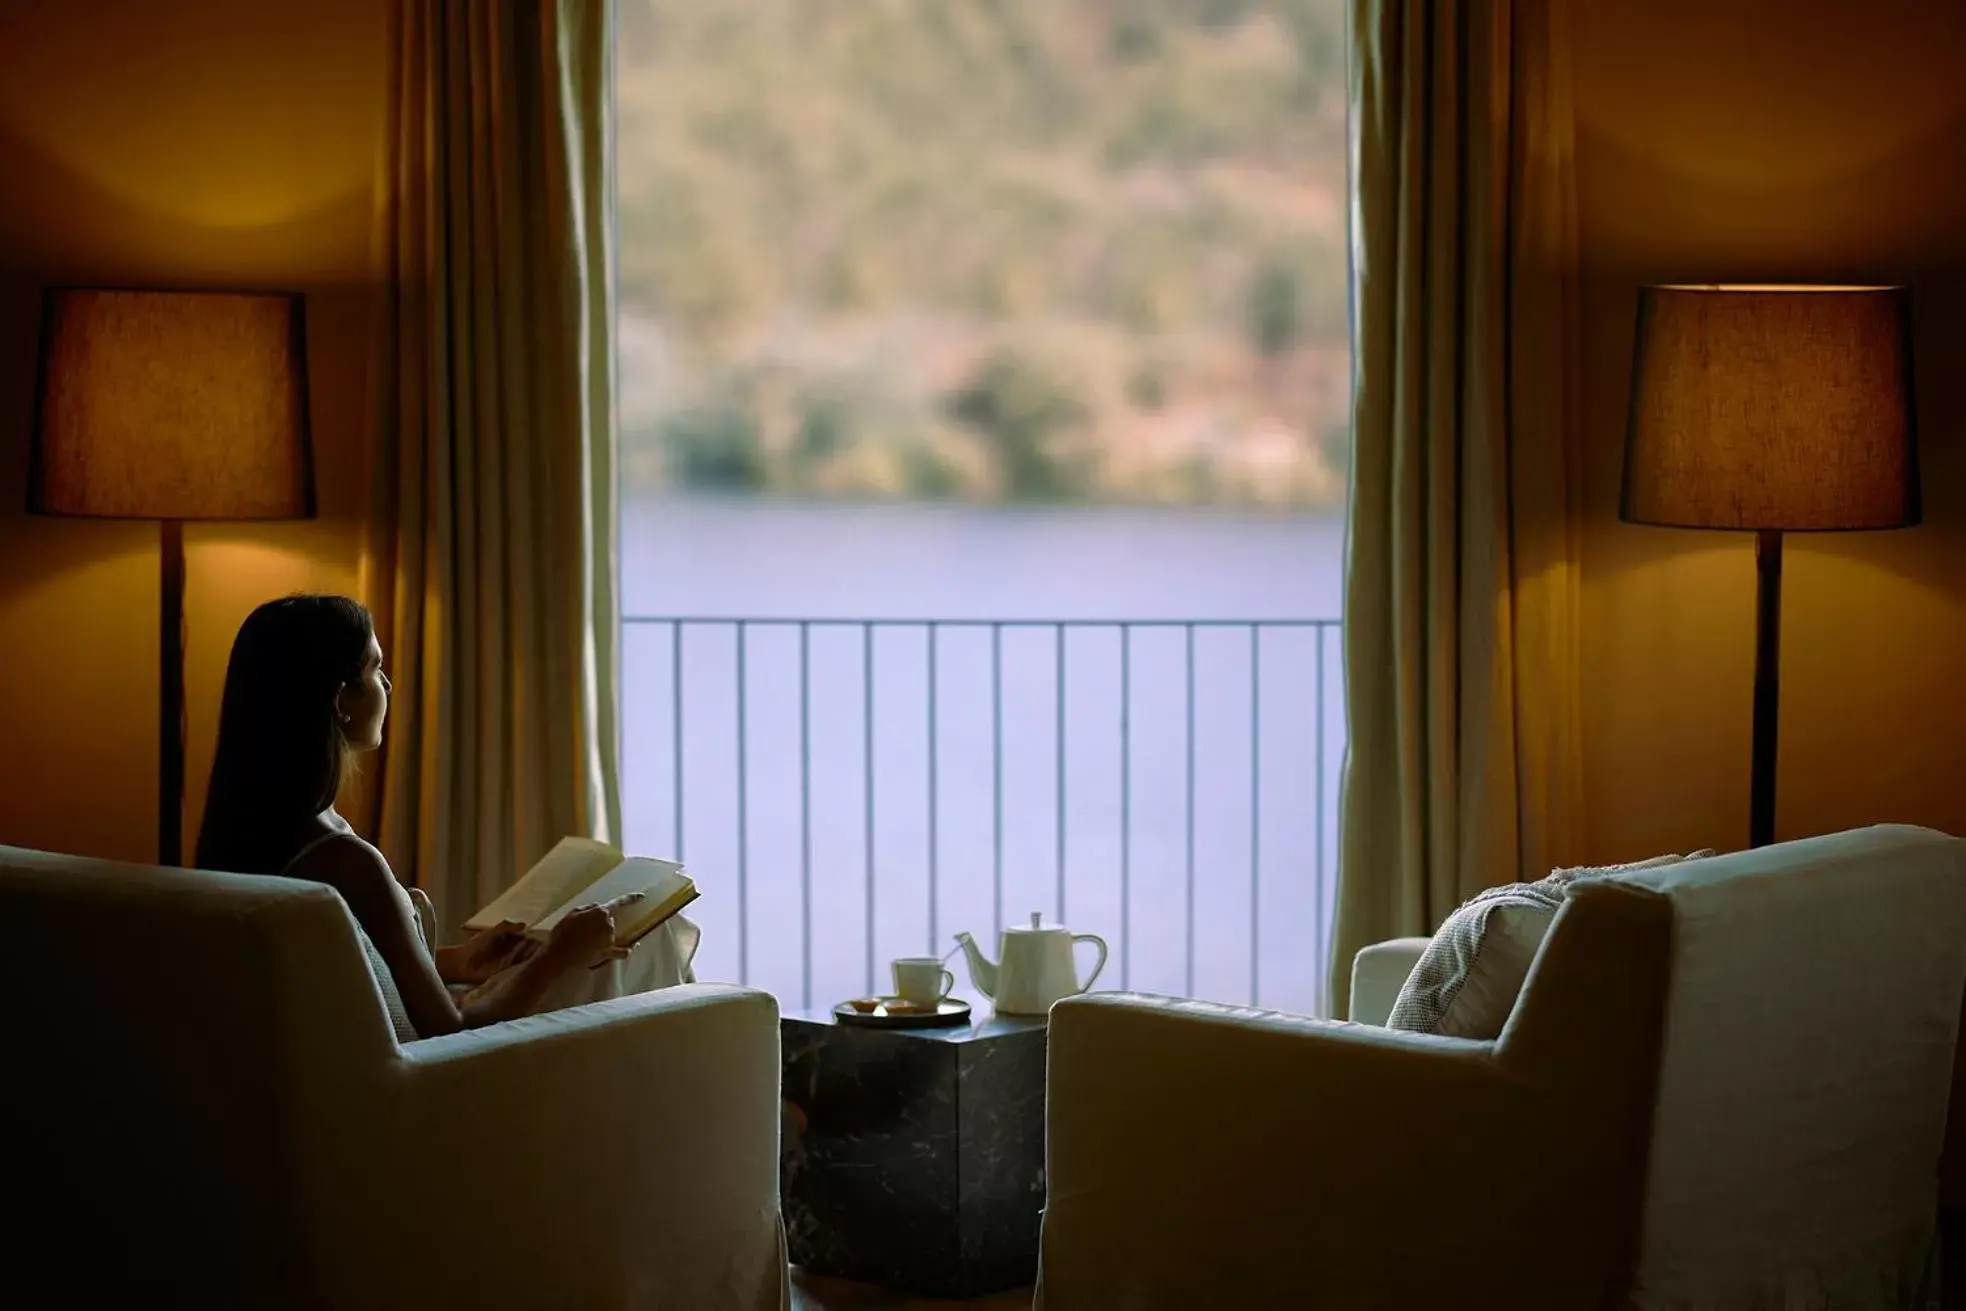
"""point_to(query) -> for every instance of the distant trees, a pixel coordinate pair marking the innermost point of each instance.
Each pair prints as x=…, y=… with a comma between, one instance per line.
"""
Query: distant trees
x=1023, y=411
x=1276, y=308
x=1092, y=249
x=714, y=448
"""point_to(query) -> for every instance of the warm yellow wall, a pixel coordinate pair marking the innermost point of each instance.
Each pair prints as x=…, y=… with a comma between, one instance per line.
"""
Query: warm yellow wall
x=1806, y=140
x=195, y=142
x=231, y=142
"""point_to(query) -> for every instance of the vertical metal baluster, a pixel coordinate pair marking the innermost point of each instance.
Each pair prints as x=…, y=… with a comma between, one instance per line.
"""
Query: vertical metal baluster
x=805, y=813
x=1058, y=691
x=1255, y=810
x=934, y=836
x=1318, y=887
x=996, y=763
x=1191, y=808
x=676, y=725
x=867, y=786
x=743, y=818
x=1126, y=805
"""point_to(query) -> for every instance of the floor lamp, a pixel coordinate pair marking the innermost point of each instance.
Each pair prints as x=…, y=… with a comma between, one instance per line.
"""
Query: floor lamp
x=171, y=405
x=1772, y=410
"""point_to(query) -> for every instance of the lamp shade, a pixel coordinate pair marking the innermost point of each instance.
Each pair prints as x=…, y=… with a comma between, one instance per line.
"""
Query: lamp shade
x=1772, y=408
x=171, y=405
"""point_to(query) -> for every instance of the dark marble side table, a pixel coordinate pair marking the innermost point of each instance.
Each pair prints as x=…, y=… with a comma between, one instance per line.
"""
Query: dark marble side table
x=914, y=1158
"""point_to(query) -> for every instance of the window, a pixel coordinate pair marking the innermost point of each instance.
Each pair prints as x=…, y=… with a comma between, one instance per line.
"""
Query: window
x=985, y=402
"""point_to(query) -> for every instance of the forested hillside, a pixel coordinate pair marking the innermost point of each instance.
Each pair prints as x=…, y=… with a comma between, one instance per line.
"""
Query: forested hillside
x=985, y=249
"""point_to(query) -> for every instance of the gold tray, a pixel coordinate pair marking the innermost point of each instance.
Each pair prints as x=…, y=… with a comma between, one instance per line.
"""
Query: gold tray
x=948, y=1011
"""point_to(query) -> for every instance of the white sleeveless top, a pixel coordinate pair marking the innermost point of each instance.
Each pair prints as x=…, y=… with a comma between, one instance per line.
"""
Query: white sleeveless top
x=385, y=982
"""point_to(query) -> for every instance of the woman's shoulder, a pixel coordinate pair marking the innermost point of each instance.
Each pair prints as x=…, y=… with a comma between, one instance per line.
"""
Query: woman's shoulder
x=343, y=860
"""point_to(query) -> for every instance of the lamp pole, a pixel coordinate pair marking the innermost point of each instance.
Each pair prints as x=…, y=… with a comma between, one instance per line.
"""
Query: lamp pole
x=170, y=699
x=1767, y=686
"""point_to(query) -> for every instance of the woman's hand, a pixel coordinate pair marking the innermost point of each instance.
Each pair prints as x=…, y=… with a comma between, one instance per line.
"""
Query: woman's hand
x=581, y=939
x=477, y=960
x=586, y=936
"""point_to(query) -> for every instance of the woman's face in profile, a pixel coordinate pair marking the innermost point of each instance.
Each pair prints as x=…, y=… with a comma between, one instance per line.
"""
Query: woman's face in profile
x=362, y=705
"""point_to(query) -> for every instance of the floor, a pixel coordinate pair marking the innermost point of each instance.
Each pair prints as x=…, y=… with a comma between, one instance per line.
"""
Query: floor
x=817, y=1293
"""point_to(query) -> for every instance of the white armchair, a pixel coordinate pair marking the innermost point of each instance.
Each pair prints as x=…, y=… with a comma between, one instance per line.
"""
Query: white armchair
x=1725, y=1083
x=1204, y=1156
x=209, y=1109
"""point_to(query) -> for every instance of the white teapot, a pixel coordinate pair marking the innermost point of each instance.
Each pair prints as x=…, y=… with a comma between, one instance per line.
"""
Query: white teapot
x=1036, y=970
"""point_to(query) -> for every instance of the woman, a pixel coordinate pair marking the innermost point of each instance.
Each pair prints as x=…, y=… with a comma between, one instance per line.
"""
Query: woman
x=304, y=694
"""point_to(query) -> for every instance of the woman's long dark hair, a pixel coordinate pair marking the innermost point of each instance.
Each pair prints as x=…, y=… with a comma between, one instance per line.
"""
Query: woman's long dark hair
x=281, y=754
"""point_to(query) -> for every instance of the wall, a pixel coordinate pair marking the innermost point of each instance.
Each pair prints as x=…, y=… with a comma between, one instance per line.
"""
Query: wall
x=1806, y=140
x=231, y=142
x=222, y=142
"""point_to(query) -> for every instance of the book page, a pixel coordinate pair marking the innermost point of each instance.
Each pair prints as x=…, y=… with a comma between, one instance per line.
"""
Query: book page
x=667, y=890
x=560, y=875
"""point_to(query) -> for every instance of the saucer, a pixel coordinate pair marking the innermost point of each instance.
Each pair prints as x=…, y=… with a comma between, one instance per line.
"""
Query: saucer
x=948, y=1011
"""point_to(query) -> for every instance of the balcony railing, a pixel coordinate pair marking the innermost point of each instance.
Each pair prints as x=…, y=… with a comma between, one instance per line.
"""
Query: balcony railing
x=850, y=790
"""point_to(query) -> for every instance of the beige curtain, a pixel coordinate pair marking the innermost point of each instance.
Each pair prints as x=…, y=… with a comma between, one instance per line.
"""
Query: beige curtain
x=492, y=564
x=1461, y=579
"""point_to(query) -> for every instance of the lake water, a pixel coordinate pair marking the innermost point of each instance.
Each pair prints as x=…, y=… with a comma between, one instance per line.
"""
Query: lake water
x=1175, y=793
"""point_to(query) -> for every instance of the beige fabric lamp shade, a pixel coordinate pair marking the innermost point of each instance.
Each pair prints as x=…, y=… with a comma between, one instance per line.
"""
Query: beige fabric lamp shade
x=1772, y=408
x=172, y=405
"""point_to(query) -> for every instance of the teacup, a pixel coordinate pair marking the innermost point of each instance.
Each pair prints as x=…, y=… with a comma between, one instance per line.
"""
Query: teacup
x=921, y=979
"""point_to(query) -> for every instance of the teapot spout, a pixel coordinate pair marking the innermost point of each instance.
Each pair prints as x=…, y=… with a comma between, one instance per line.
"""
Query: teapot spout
x=982, y=970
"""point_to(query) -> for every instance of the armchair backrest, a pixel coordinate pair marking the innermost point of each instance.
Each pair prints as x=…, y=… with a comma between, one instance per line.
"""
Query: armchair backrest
x=1811, y=1020
x=171, y=1032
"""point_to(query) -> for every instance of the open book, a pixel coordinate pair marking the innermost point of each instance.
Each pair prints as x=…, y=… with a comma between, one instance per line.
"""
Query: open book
x=582, y=872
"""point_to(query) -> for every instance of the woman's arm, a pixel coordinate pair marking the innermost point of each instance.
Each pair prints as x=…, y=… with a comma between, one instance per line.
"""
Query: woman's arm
x=582, y=937
x=483, y=956
x=363, y=878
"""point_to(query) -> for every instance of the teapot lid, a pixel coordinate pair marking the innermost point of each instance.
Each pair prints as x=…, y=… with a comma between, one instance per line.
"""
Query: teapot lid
x=1037, y=925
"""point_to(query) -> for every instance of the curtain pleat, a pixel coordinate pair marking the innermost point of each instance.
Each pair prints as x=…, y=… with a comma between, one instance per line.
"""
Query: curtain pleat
x=1461, y=569
x=491, y=564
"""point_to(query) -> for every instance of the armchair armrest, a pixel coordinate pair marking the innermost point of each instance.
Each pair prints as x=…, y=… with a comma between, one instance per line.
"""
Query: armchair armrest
x=620, y=1153
x=1202, y=1155
x=1378, y=973
x=1212, y=1156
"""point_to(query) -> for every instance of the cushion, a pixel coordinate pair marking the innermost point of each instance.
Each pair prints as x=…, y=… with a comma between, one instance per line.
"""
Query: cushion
x=1467, y=980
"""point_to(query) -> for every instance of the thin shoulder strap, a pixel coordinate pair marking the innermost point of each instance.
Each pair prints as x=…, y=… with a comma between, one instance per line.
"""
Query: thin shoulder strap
x=426, y=916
